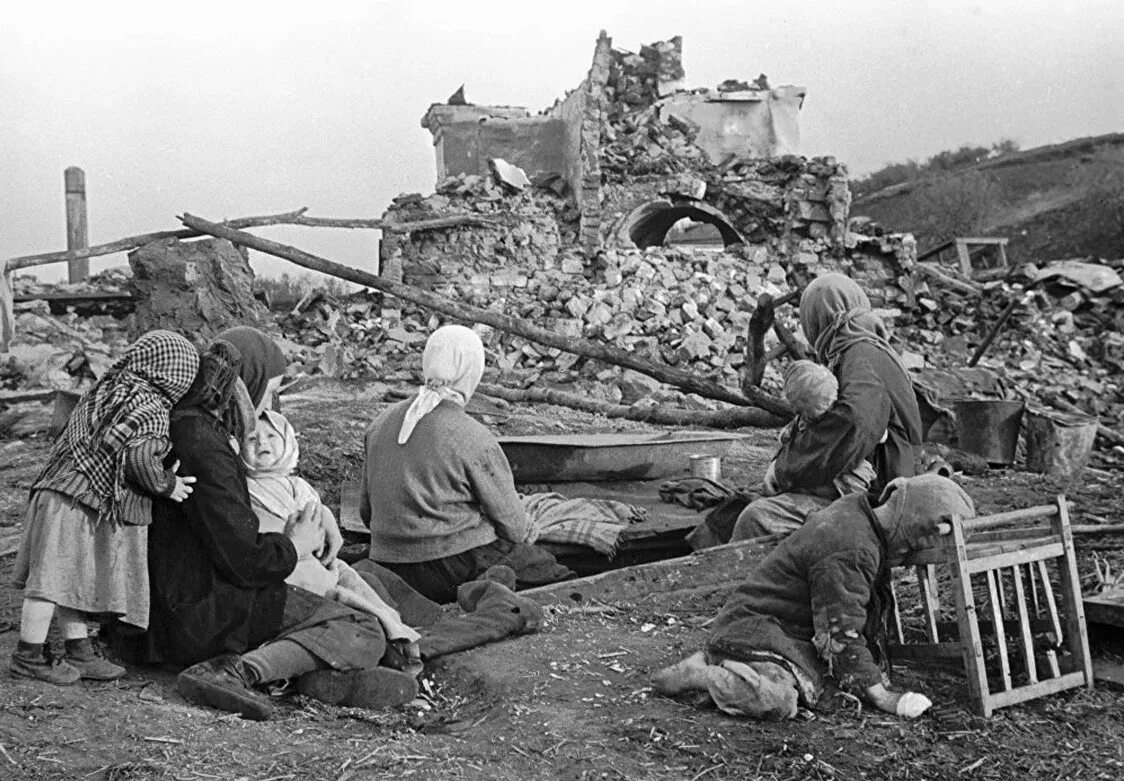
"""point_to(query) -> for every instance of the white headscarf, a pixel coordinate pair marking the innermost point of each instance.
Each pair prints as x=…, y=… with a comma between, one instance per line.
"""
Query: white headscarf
x=452, y=364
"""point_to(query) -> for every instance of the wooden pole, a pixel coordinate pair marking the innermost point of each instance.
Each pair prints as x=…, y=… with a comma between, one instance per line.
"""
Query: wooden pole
x=77, y=235
x=994, y=332
x=288, y=218
x=687, y=380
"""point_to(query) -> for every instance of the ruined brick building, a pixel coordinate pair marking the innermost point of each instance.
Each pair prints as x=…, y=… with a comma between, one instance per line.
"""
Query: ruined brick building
x=650, y=215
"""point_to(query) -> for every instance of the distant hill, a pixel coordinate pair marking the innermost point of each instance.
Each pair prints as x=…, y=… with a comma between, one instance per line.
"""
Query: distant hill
x=1060, y=201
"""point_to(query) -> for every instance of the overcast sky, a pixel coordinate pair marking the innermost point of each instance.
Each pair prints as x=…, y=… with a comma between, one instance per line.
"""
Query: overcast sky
x=228, y=109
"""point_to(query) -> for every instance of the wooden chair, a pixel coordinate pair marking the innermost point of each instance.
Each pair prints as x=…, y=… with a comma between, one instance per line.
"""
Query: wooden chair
x=1010, y=569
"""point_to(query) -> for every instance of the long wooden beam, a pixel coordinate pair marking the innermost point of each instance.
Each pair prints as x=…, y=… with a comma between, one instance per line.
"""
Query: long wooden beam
x=689, y=381
x=296, y=217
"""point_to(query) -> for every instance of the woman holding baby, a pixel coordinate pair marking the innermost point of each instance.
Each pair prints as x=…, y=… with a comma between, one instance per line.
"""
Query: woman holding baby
x=873, y=416
x=220, y=597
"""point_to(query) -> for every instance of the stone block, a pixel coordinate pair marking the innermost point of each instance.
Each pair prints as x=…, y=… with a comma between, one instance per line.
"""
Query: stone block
x=197, y=288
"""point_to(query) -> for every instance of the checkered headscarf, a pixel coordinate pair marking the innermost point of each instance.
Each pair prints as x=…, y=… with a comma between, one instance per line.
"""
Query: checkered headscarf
x=128, y=405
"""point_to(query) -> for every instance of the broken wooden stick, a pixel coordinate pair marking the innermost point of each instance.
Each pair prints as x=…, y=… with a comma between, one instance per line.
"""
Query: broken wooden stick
x=947, y=280
x=737, y=417
x=296, y=217
x=994, y=332
x=686, y=380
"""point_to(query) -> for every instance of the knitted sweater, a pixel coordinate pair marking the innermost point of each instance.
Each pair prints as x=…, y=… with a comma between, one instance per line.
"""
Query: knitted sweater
x=447, y=490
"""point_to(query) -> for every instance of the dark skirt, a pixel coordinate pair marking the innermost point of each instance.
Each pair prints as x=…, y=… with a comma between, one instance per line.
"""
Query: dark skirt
x=438, y=579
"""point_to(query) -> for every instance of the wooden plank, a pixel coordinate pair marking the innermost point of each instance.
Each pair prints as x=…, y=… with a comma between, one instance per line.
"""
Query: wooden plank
x=1051, y=605
x=1025, y=634
x=899, y=634
x=1107, y=609
x=1000, y=635
x=1040, y=689
x=77, y=233
x=349, y=508
x=1111, y=673
x=971, y=645
x=1077, y=638
x=948, y=650
x=1002, y=519
x=722, y=565
x=1011, y=558
x=930, y=604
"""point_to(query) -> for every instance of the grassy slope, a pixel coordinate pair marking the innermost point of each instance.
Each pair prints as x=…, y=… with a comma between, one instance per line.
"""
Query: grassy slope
x=1052, y=202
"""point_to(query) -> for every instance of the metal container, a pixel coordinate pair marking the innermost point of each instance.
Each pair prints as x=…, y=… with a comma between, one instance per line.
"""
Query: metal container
x=706, y=465
x=593, y=457
x=1058, y=444
x=989, y=428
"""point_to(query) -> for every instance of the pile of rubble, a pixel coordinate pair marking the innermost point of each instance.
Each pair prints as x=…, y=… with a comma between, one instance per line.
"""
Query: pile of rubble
x=677, y=307
x=1063, y=342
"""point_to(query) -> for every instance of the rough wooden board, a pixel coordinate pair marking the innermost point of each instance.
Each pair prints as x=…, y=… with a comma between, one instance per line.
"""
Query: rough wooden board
x=720, y=566
x=349, y=508
x=1105, y=609
x=1111, y=673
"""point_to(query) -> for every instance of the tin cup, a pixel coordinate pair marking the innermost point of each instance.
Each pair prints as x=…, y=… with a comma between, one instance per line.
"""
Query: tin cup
x=706, y=465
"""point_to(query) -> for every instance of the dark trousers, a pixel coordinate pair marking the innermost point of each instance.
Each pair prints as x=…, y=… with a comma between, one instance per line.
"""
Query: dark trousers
x=438, y=579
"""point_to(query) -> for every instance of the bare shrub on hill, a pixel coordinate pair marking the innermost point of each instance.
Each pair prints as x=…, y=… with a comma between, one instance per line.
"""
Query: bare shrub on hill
x=951, y=206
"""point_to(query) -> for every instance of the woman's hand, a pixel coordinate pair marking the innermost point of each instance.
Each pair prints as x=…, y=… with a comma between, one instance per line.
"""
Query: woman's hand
x=333, y=540
x=769, y=482
x=304, y=531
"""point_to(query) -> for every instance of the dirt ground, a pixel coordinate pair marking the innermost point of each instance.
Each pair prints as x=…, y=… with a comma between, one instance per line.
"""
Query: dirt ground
x=572, y=702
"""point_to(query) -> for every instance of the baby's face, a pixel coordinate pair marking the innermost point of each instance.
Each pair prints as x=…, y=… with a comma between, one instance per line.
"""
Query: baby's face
x=263, y=446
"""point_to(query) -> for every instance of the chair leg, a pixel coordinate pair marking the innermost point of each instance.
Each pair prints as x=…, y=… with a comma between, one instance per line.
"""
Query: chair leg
x=971, y=646
x=1077, y=639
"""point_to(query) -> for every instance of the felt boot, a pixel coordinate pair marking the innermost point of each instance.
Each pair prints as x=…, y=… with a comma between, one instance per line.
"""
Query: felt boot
x=225, y=683
x=36, y=661
x=88, y=659
x=375, y=688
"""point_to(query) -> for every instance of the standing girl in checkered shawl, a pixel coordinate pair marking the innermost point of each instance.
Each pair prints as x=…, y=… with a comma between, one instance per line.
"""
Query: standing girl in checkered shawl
x=84, y=546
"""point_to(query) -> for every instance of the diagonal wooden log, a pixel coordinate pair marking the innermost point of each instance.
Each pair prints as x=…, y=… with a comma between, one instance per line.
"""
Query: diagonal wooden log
x=686, y=380
x=296, y=217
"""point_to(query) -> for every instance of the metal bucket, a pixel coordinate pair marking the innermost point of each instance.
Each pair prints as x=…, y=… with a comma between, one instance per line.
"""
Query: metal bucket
x=1058, y=444
x=706, y=465
x=989, y=428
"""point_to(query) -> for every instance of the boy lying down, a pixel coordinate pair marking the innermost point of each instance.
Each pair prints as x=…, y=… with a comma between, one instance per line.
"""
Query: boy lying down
x=815, y=607
x=270, y=453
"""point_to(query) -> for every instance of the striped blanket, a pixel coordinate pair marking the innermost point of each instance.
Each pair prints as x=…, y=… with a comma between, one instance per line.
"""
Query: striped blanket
x=596, y=523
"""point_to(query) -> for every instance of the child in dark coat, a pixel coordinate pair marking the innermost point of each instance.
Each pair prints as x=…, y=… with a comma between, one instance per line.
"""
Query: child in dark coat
x=814, y=607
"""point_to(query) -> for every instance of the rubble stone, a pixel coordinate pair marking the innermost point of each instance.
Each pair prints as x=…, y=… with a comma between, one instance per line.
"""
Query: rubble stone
x=197, y=288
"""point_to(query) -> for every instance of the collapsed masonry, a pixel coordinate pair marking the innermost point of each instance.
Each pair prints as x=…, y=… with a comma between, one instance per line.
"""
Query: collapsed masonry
x=644, y=214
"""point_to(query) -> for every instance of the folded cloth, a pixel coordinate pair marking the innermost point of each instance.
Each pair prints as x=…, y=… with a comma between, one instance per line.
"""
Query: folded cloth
x=596, y=523
x=697, y=493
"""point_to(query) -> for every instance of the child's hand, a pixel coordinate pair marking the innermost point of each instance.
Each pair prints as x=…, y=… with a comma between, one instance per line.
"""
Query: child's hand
x=182, y=488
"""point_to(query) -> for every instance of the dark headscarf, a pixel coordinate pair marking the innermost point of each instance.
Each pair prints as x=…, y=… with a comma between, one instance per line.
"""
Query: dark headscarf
x=835, y=314
x=213, y=389
x=128, y=405
x=262, y=359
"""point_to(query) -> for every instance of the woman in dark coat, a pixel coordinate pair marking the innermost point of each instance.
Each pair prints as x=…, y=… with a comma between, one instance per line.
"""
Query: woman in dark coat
x=219, y=598
x=876, y=400
x=816, y=608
